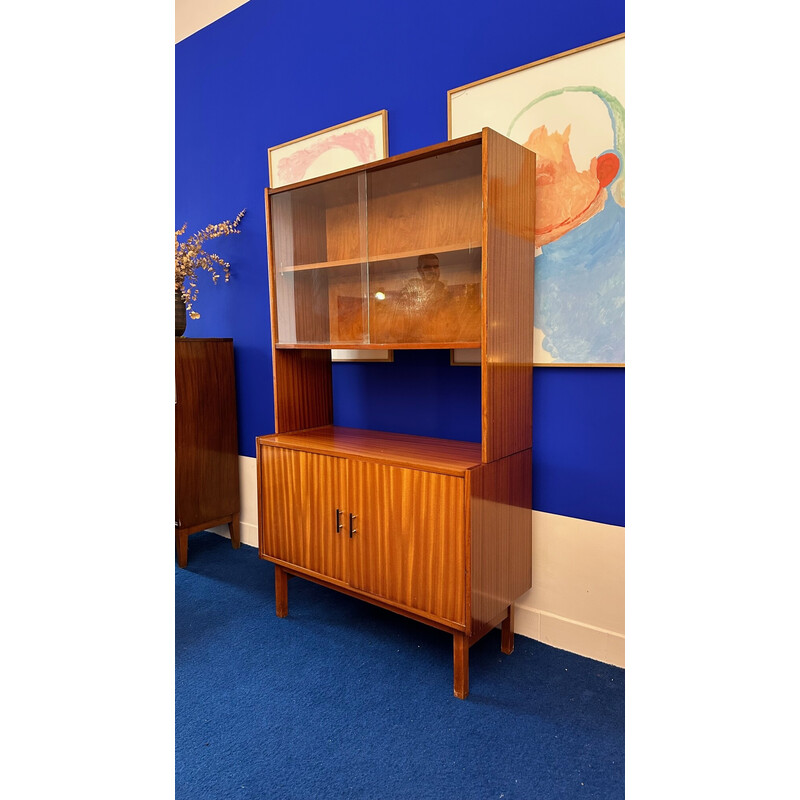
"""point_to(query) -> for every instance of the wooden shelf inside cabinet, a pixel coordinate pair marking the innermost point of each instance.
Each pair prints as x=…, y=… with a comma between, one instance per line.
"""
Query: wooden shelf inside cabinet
x=462, y=345
x=436, y=530
x=380, y=257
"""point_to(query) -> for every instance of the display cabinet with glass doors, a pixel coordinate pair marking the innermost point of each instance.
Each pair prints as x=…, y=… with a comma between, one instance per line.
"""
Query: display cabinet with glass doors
x=430, y=249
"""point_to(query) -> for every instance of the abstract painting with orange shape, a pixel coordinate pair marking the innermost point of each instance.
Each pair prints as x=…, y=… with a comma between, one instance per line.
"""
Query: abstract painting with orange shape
x=569, y=109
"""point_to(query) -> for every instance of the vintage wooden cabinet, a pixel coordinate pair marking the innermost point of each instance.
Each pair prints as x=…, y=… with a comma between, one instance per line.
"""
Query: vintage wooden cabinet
x=431, y=249
x=206, y=447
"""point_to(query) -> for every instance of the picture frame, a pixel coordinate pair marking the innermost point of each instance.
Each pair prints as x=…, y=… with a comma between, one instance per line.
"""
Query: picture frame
x=348, y=144
x=362, y=355
x=573, y=100
x=469, y=357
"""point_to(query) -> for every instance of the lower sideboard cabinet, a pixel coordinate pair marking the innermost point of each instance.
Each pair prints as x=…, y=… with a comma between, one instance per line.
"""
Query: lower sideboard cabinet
x=417, y=526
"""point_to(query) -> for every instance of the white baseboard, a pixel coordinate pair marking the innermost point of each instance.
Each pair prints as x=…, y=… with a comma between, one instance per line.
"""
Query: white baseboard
x=248, y=533
x=570, y=635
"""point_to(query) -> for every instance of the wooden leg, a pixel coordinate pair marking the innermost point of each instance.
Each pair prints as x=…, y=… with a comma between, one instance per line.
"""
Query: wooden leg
x=281, y=592
x=507, y=630
x=233, y=527
x=460, y=666
x=182, y=547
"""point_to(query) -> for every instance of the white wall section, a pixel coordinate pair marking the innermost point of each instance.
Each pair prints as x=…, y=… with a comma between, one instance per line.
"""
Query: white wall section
x=192, y=15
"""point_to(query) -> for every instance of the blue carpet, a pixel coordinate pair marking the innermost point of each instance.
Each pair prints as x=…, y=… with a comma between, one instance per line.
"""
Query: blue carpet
x=345, y=700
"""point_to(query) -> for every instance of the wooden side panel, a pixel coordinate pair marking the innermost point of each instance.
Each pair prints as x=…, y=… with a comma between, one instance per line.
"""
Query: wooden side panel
x=299, y=495
x=206, y=446
x=409, y=545
x=303, y=386
x=500, y=536
x=508, y=250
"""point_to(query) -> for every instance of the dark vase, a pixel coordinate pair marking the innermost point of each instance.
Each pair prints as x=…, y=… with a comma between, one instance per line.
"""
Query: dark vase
x=180, y=314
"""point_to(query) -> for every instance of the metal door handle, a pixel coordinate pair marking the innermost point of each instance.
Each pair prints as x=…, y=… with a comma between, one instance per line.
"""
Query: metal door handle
x=338, y=520
x=352, y=529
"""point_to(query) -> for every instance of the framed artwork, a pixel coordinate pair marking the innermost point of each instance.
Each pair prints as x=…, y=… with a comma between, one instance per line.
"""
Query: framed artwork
x=570, y=110
x=362, y=355
x=342, y=146
x=465, y=357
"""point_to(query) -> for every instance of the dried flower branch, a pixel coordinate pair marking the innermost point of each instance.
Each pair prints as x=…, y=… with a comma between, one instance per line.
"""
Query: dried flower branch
x=190, y=257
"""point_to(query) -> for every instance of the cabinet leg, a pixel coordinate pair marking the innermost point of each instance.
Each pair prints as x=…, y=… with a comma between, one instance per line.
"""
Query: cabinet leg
x=281, y=592
x=507, y=632
x=182, y=547
x=460, y=666
x=233, y=527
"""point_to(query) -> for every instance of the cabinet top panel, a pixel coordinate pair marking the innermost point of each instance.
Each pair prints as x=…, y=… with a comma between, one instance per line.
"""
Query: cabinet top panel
x=416, y=452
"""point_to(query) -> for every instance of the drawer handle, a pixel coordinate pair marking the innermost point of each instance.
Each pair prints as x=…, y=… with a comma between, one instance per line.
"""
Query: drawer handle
x=352, y=529
x=339, y=525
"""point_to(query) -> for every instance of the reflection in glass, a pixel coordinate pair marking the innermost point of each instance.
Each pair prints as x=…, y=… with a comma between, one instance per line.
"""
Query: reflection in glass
x=428, y=298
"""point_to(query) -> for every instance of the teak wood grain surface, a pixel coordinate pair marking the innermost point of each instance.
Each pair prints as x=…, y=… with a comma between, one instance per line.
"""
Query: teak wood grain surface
x=206, y=446
x=418, y=452
x=436, y=530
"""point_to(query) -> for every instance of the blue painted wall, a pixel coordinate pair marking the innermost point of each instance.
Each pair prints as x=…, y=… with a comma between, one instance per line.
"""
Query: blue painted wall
x=271, y=71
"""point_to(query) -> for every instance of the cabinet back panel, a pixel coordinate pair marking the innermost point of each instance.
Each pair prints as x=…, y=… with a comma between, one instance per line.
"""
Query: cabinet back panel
x=343, y=229
x=426, y=204
x=347, y=308
x=403, y=309
x=430, y=218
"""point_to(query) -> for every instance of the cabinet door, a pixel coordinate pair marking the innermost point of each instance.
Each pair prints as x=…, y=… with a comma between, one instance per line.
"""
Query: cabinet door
x=409, y=545
x=206, y=454
x=301, y=493
x=318, y=262
x=424, y=245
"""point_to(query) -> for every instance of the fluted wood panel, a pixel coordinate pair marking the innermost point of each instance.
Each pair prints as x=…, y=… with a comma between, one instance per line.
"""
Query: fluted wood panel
x=500, y=543
x=206, y=446
x=299, y=495
x=507, y=353
x=409, y=547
